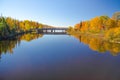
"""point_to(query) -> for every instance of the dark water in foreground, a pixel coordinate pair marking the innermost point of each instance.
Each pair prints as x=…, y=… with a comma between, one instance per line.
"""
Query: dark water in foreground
x=58, y=57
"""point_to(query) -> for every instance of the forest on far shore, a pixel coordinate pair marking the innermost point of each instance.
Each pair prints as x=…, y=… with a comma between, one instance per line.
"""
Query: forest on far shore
x=102, y=26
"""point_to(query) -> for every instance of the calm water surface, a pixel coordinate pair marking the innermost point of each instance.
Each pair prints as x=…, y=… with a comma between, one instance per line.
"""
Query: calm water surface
x=58, y=57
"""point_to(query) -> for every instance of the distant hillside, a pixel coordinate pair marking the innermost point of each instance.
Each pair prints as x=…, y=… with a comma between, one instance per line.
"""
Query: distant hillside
x=47, y=26
x=116, y=16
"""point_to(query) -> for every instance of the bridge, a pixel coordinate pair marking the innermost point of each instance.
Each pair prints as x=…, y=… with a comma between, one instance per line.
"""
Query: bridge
x=52, y=30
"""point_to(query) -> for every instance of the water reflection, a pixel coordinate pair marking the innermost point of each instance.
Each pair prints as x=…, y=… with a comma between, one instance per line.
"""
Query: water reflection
x=94, y=43
x=99, y=44
x=54, y=57
x=7, y=46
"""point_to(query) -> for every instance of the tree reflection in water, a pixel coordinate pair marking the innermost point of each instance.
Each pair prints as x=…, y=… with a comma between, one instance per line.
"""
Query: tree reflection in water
x=95, y=43
x=7, y=46
x=99, y=44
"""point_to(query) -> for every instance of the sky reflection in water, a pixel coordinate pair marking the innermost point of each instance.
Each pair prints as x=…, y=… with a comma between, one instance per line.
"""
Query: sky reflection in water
x=57, y=57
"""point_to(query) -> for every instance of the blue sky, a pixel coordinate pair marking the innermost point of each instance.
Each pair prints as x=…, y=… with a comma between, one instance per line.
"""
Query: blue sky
x=58, y=12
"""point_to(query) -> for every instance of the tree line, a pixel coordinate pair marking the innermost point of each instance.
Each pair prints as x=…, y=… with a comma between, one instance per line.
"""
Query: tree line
x=10, y=26
x=101, y=25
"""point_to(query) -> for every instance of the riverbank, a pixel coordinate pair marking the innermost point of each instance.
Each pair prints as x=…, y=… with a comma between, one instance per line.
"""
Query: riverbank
x=12, y=36
x=9, y=27
x=100, y=26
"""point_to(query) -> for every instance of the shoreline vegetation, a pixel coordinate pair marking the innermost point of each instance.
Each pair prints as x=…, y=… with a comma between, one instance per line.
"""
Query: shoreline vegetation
x=101, y=33
x=9, y=27
x=101, y=26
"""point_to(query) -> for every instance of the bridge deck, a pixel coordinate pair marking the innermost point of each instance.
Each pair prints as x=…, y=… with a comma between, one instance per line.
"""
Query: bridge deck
x=51, y=30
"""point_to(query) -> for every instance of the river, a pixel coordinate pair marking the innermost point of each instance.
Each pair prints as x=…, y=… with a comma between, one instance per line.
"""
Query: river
x=58, y=57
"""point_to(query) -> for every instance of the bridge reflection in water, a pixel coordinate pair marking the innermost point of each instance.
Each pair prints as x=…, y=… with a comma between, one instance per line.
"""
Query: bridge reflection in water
x=54, y=31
